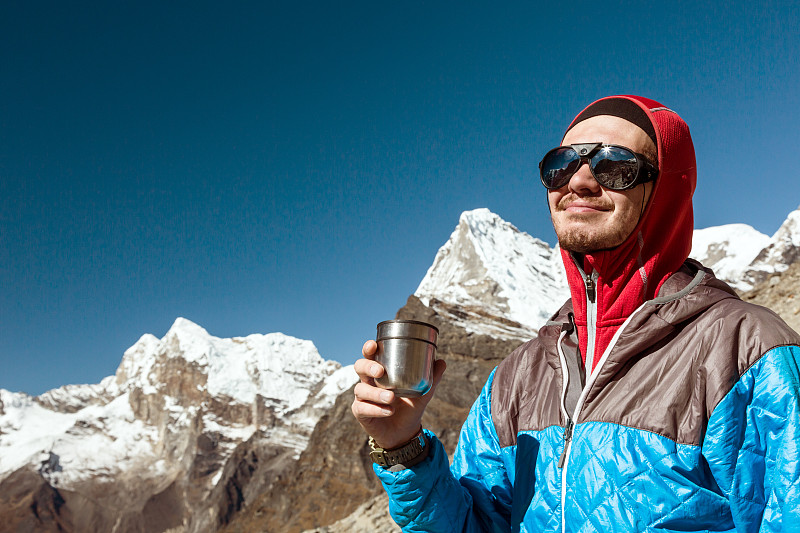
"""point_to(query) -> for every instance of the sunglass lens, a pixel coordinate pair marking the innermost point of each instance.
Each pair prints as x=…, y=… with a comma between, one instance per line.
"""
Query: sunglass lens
x=614, y=167
x=558, y=167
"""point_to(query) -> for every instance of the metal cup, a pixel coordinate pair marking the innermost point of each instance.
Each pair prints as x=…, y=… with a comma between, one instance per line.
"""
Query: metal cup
x=406, y=349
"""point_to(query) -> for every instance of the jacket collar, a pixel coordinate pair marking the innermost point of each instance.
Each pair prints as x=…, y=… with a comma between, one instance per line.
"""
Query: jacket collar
x=685, y=294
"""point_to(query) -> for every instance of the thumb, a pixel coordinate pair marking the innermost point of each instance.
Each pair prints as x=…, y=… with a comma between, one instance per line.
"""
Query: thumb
x=439, y=366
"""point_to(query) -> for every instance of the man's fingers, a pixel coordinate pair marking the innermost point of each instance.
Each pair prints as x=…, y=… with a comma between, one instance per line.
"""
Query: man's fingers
x=369, y=349
x=367, y=370
x=372, y=402
x=367, y=393
x=366, y=410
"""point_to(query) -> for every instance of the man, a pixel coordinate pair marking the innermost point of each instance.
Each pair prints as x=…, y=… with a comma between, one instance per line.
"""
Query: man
x=654, y=399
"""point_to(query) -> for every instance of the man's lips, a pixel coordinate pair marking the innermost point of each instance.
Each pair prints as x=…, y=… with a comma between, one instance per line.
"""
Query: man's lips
x=582, y=207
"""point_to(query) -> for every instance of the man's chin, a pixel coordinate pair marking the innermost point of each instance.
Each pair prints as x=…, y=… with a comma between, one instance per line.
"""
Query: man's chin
x=587, y=241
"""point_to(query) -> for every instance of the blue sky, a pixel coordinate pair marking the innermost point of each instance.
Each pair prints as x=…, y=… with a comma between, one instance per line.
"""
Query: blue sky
x=294, y=166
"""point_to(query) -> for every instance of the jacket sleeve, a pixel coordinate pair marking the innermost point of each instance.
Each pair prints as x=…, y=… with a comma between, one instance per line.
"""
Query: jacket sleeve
x=472, y=496
x=752, y=444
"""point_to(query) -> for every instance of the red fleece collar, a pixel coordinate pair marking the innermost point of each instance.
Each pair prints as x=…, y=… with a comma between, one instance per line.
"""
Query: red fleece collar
x=633, y=272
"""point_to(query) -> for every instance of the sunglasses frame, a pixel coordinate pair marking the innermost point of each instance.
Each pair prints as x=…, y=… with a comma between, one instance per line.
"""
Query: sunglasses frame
x=645, y=170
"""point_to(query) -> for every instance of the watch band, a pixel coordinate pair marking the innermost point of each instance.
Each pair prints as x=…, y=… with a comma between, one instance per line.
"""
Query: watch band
x=405, y=454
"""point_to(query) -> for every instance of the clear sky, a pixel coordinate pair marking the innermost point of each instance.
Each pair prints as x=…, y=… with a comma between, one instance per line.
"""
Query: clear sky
x=294, y=166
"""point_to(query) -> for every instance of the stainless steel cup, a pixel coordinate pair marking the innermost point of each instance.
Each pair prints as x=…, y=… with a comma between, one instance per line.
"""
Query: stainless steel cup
x=406, y=349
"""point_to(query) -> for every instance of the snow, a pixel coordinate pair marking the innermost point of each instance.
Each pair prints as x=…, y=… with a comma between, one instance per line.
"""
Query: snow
x=27, y=430
x=342, y=379
x=137, y=362
x=105, y=440
x=780, y=252
x=234, y=432
x=789, y=232
x=285, y=367
x=743, y=256
x=97, y=440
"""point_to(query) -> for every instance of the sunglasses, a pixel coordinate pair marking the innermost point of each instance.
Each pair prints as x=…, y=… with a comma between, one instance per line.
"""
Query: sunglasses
x=614, y=167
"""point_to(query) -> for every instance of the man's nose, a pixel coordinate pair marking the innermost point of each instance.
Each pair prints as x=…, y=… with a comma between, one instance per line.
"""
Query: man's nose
x=583, y=181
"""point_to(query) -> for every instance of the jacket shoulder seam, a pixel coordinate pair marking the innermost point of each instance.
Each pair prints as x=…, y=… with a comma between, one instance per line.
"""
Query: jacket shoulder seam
x=748, y=368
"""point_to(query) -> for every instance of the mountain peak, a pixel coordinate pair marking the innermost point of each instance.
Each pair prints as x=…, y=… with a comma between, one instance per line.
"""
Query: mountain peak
x=481, y=223
x=481, y=215
x=184, y=326
x=788, y=235
x=488, y=264
x=782, y=250
x=165, y=394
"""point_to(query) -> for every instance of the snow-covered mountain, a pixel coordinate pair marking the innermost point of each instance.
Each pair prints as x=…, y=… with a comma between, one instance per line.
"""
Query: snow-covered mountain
x=745, y=257
x=782, y=250
x=729, y=250
x=490, y=269
x=185, y=400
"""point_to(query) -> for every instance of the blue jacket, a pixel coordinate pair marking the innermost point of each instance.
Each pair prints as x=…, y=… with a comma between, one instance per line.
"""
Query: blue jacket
x=690, y=422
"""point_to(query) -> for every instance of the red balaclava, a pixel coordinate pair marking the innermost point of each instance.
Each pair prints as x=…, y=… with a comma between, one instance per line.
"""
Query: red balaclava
x=634, y=271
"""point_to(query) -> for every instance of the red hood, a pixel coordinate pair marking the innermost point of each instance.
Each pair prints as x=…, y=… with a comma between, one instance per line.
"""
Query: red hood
x=633, y=272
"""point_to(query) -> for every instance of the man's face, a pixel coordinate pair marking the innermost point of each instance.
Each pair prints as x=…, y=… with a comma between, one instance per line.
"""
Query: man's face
x=586, y=216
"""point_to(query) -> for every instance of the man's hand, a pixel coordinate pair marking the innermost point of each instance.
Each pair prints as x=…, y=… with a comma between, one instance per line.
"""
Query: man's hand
x=389, y=419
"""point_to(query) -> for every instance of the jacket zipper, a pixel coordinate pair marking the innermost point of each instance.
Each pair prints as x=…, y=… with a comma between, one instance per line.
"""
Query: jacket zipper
x=590, y=280
x=563, y=461
x=565, y=384
x=590, y=287
x=567, y=428
x=567, y=440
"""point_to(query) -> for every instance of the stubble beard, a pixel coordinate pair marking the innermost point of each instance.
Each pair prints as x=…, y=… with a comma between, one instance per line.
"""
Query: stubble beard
x=589, y=239
x=584, y=233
